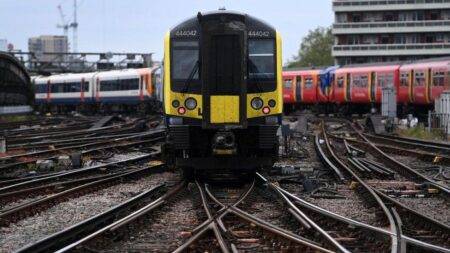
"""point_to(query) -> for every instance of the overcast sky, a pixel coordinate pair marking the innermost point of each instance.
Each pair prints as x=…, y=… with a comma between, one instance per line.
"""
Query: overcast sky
x=139, y=25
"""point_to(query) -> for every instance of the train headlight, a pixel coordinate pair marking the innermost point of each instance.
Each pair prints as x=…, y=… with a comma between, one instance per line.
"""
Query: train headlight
x=257, y=103
x=272, y=103
x=190, y=103
x=266, y=110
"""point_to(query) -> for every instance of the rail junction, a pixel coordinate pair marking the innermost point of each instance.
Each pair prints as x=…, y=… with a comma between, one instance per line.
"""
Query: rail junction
x=98, y=184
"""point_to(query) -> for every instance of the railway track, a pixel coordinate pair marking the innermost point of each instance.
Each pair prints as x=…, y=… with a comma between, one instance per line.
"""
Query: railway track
x=353, y=207
x=408, y=221
x=20, y=164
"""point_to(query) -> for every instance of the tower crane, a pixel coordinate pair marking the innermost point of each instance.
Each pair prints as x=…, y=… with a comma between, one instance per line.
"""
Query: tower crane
x=65, y=25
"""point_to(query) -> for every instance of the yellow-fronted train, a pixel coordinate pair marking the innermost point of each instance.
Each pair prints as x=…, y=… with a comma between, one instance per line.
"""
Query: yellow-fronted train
x=222, y=93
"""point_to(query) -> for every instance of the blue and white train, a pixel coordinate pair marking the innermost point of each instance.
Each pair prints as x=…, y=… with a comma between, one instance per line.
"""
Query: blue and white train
x=127, y=89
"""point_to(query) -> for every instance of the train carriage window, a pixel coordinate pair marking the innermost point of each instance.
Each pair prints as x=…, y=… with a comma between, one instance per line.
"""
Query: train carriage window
x=385, y=80
x=185, y=65
x=287, y=83
x=404, y=79
x=261, y=65
x=119, y=84
x=438, y=78
x=340, y=82
x=65, y=87
x=41, y=88
x=308, y=82
x=419, y=79
x=360, y=81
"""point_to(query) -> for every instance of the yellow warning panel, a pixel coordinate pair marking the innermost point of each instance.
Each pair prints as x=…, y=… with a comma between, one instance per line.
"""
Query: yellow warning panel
x=224, y=109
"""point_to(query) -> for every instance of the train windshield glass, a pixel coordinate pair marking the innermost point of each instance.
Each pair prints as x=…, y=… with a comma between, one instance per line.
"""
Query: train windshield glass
x=185, y=66
x=261, y=65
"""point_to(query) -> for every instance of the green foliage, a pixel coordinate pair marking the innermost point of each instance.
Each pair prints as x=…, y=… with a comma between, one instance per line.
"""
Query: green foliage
x=16, y=118
x=315, y=49
x=420, y=132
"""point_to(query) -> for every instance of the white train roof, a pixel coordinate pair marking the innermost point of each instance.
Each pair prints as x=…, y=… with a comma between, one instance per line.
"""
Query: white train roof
x=68, y=77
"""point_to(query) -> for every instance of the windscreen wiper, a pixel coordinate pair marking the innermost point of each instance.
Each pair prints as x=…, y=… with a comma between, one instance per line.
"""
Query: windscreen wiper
x=260, y=90
x=191, y=77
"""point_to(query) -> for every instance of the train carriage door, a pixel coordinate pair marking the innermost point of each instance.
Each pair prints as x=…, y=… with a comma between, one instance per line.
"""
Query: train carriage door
x=348, y=88
x=142, y=86
x=223, y=86
x=428, y=85
x=82, y=90
x=48, y=91
x=373, y=87
x=298, y=89
x=411, y=86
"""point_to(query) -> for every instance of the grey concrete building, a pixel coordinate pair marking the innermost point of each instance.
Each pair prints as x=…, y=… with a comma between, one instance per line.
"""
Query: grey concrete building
x=3, y=45
x=390, y=30
x=48, y=44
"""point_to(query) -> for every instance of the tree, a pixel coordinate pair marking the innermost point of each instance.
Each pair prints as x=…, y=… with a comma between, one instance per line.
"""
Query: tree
x=315, y=49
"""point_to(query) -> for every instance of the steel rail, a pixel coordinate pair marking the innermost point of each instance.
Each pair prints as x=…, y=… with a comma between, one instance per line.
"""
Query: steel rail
x=386, y=139
x=406, y=168
x=30, y=183
x=41, y=204
x=397, y=220
x=55, y=143
x=127, y=219
x=111, y=146
x=68, y=133
x=268, y=226
x=356, y=223
x=326, y=161
x=33, y=153
x=424, y=155
x=415, y=141
x=211, y=226
x=51, y=188
x=207, y=225
x=68, y=235
x=395, y=239
x=304, y=217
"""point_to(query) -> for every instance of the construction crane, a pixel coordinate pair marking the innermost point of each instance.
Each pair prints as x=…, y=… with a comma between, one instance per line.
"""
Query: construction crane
x=65, y=25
